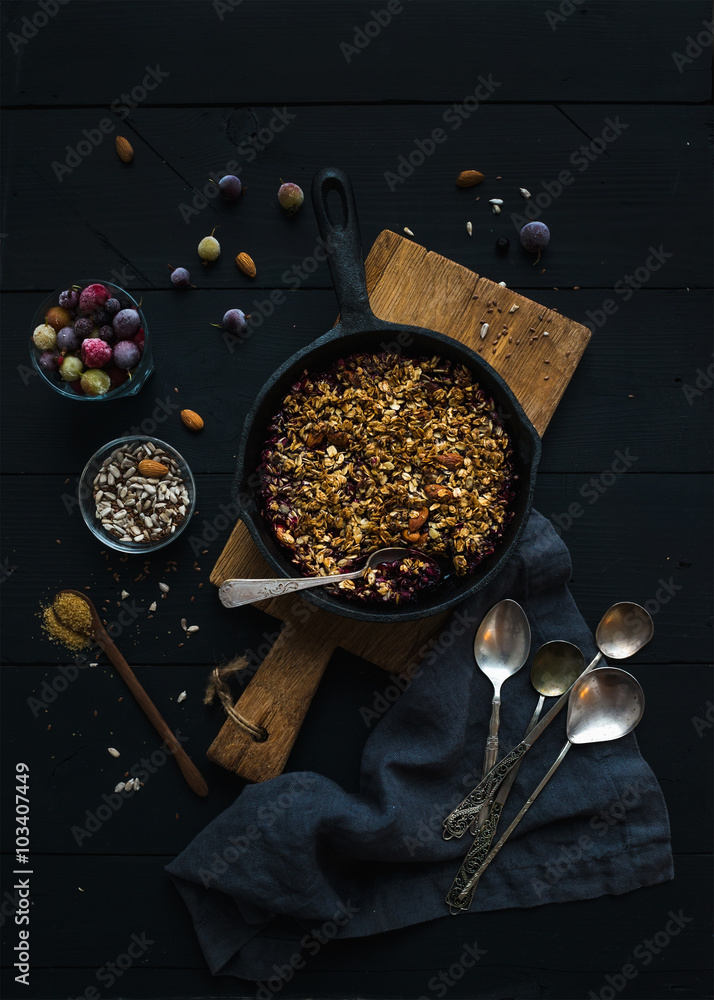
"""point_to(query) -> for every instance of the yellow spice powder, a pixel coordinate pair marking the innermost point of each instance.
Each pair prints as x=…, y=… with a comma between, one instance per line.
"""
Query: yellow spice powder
x=68, y=621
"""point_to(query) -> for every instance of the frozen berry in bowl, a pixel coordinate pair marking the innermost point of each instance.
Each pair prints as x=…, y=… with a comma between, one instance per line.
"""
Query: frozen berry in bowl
x=74, y=337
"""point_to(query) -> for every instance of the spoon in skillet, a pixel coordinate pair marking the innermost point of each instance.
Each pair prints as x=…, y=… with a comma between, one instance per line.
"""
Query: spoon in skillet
x=235, y=593
x=100, y=635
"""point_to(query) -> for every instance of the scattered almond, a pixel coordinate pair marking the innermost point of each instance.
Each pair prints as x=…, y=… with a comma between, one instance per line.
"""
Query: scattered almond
x=437, y=492
x=245, y=264
x=469, y=178
x=415, y=523
x=450, y=460
x=126, y=153
x=151, y=469
x=192, y=420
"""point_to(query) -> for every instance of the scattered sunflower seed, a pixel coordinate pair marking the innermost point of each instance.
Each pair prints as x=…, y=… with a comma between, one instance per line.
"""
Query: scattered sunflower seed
x=113, y=751
x=525, y=192
x=120, y=787
x=496, y=209
x=469, y=228
x=546, y=334
x=181, y=697
x=408, y=231
x=124, y=595
x=502, y=284
x=164, y=588
x=183, y=624
x=513, y=308
x=192, y=628
x=484, y=330
x=152, y=606
x=495, y=201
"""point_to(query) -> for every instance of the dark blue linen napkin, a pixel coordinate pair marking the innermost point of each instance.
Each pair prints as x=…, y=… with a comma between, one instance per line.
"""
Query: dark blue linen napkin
x=296, y=860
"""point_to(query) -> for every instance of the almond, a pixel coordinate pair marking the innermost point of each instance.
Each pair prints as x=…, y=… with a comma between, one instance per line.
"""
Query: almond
x=314, y=440
x=416, y=522
x=192, y=420
x=436, y=492
x=469, y=178
x=450, y=460
x=245, y=264
x=151, y=469
x=412, y=537
x=126, y=153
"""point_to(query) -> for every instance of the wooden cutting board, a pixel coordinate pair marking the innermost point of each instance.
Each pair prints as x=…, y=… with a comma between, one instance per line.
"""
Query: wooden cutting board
x=535, y=349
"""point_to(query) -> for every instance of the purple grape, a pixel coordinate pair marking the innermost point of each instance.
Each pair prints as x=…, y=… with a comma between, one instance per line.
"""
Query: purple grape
x=69, y=299
x=126, y=324
x=106, y=333
x=112, y=306
x=230, y=187
x=83, y=327
x=234, y=321
x=126, y=355
x=68, y=339
x=535, y=236
x=49, y=361
x=180, y=278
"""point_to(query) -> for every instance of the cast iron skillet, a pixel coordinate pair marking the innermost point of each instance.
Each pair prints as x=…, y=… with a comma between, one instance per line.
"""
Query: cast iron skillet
x=360, y=330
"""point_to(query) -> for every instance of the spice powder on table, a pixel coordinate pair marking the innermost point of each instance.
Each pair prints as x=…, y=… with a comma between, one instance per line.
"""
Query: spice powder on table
x=68, y=621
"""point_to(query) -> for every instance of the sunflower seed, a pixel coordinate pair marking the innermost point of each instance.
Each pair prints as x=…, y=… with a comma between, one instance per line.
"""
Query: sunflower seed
x=181, y=697
x=469, y=228
x=496, y=209
x=408, y=231
x=113, y=751
x=120, y=787
x=513, y=308
x=525, y=192
x=152, y=606
x=164, y=587
x=484, y=330
x=495, y=201
x=192, y=628
x=183, y=624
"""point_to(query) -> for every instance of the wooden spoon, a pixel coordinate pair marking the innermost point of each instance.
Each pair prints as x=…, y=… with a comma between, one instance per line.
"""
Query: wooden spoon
x=188, y=768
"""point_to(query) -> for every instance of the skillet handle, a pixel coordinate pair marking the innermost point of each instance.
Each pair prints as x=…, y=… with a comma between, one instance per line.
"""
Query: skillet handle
x=343, y=246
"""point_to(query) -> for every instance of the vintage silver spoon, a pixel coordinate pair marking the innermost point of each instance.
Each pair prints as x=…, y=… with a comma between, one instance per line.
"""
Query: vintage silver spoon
x=604, y=704
x=501, y=647
x=234, y=593
x=623, y=630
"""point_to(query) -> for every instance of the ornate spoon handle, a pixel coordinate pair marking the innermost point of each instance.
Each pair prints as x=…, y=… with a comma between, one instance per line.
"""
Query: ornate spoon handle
x=458, y=820
x=472, y=862
x=234, y=593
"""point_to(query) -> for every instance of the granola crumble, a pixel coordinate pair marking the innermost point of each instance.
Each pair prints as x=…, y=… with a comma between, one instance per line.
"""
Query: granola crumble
x=384, y=450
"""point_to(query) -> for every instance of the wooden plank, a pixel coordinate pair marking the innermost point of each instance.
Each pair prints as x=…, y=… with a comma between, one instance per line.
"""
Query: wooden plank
x=601, y=221
x=667, y=423
x=415, y=56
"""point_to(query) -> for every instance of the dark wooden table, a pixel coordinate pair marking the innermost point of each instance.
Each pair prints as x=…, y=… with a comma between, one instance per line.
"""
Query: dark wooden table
x=616, y=93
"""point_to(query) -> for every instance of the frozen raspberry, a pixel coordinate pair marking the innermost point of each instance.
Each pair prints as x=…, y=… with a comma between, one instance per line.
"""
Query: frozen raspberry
x=95, y=353
x=112, y=306
x=93, y=297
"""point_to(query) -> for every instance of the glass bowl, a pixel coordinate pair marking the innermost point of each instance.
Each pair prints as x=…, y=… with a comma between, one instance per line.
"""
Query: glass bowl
x=87, y=503
x=139, y=375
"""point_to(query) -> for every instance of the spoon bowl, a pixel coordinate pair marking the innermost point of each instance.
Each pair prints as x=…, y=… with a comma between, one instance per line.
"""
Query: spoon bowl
x=556, y=666
x=604, y=705
x=623, y=630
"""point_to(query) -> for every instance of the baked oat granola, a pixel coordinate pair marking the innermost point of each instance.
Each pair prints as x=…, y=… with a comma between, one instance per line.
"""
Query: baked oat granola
x=383, y=450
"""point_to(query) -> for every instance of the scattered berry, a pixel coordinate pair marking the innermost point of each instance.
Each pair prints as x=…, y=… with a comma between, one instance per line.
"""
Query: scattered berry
x=535, y=236
x=230, y=187
x=126, y=324
x=96, y=353
x=83, y=327
x=44, y=337
x=95, y=382
x=112, y=306
x=71, y=368
x=234, y=321
x=58, y=317
x=69, y=298
x=49, y=361
x=290, y=197
x=209, y=248
x=502, y=244
x=106, y=333
x=93, y=297
x=68, y=339
x=126, y=355
x=180, y=277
